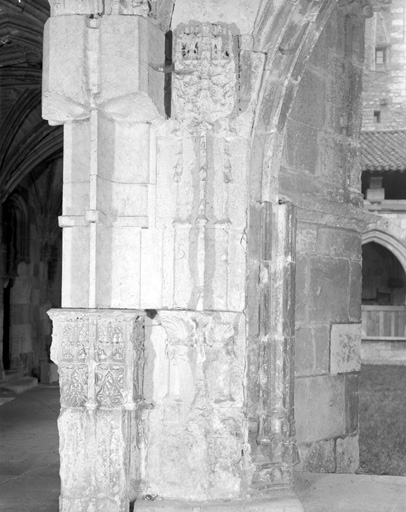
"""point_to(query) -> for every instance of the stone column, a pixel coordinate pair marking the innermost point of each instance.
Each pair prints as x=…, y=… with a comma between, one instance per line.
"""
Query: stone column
x=99, y=355
x=155, y=218
x=100, y=82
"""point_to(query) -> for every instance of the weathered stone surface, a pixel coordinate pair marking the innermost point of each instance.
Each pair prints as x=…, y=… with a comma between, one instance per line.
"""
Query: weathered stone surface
x=100, y=359
x=162, y=223
x=321, y=338
x=347, y=454
x=304, y=353
x=319, y=407
x=329, y=293
x=126, y=86
x=202, y=51
x=318, y=457
x=312, y=91
x=354, y=307
x=312, y=355
x=202, y=393
x=302, y=289
x=351, y=402
x=345, y=353
x=339, y=243
x=301, y=148
x=242, y=14
x=306, y=238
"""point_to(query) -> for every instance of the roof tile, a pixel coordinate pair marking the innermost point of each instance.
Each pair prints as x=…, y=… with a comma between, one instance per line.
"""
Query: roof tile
x=383, y=150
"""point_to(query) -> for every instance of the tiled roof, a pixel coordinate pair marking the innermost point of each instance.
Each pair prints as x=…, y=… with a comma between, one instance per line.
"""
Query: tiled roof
x=383, y=150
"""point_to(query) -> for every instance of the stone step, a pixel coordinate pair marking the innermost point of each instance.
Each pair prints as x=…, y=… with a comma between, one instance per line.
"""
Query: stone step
x=13, y=375
x=19, y=385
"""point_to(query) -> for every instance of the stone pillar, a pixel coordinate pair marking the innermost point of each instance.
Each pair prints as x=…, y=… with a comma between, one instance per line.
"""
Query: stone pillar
x=155, y=219
x=100, y=82
x=99, y=355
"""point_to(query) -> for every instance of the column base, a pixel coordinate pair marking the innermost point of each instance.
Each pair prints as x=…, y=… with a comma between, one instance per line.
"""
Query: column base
x=285, y=503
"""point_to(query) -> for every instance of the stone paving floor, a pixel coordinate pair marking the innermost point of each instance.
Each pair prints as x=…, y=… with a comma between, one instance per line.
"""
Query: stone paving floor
x=29, y=465
x=29, y=458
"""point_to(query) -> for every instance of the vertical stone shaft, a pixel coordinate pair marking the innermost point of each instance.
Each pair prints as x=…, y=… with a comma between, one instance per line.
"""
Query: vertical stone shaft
x=99, y=81
x=271, y=344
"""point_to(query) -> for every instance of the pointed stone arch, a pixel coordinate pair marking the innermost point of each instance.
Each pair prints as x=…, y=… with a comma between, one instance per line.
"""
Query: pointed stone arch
x=394, y=245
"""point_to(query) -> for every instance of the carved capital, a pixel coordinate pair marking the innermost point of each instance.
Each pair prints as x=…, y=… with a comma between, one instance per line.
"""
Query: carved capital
x=99, y=354
x=205, y=77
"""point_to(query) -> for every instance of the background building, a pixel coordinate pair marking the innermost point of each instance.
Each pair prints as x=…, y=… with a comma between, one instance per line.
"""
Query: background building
x=383, y=143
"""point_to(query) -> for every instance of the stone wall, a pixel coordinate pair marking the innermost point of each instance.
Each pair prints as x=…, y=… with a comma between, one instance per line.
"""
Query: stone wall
x=33, y=267
x=191, y=222
x=385, y=84
x=320, y=161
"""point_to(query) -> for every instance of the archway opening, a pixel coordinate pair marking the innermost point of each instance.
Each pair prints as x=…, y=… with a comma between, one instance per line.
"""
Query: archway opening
x=383, y=351
x=383, y=277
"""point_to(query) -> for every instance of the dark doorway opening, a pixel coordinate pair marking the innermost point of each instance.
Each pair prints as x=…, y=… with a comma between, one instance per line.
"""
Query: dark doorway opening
x=6, y=326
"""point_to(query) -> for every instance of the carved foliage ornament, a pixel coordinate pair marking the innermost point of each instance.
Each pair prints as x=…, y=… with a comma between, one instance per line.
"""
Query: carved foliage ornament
x=98, y=357
x=205, y=79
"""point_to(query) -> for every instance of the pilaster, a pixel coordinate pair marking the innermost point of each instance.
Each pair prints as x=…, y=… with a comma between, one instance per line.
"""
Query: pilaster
x=100, y=81
x=107, y=93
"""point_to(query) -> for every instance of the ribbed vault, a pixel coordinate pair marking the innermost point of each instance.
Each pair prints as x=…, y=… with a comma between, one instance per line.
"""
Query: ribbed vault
x=26, y=140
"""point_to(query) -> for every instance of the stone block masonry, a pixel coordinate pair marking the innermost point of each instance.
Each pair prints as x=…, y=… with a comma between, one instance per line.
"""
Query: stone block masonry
x=385, y=82
x=188, y=226
x=328, y=251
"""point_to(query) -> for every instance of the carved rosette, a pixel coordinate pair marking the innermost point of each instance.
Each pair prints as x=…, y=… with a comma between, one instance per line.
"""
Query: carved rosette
x=204, y=87
x=100, y=357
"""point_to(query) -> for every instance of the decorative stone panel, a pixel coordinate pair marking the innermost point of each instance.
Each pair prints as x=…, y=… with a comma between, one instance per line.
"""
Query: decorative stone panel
x=345, y=352
x=196, y=446
x=99, y=354
x=204, y=88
